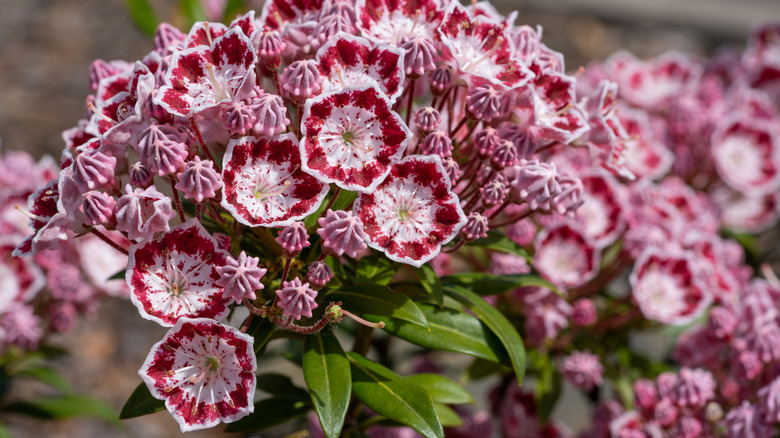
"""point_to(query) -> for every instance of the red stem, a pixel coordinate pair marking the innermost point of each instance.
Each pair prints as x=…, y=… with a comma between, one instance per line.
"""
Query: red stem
x=108, y=240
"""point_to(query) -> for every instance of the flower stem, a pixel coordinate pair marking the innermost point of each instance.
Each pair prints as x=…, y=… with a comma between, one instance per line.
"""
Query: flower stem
x=108, y=240
x=203, y=144
x=411, y=101
x=176, y=198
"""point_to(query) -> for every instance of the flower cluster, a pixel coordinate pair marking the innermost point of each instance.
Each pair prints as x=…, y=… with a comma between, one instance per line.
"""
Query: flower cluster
x=245, y=165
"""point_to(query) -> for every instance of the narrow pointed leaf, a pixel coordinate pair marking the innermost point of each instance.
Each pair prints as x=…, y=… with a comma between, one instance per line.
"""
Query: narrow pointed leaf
x=484, y=283
x=448, y=330
x=270, y=412
x=65, y=406
x=378, y=300
x=442, y=389
x=388, y=394
x=497, y=323
x=327, y=374
x=141, y=403
x=375, y=270
x=447, y=416
x=47, y=376
x=280, y=386
x=431, y=282
x=498, y=242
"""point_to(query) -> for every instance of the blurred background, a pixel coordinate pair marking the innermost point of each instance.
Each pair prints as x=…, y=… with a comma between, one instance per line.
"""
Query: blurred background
x=47, y=47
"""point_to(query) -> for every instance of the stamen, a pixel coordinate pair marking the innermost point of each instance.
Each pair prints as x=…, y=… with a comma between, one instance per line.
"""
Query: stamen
x=222, y=94
x=199, y=378
x=208, y=33
x=487, y=55
x=34, y=217
x=97, y=112
x=414, y=23
x=262, y=196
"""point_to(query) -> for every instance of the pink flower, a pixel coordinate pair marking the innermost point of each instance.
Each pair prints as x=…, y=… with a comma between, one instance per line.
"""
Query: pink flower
x=583, y=370
x=264, y=184
x=746, y=156
x=241, y=277
x=176, y=276
x=296, y=298
x=352, y=138
x=565, y=257
x=143, y=212
x=744, y=421
x=667, y=288
x=601, y=217
x=413, y=212
x=204, y=371
x=202, y=77
x=395, y=22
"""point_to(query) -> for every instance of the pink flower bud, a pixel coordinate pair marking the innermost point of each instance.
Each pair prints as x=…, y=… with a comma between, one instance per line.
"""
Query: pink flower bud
x=163, y=149
x=238, y=117
x=504, y=155
x=166, y=37
x=536, y=184
x=570, y=196
x=269, y=45
x=645, y=394
x=452, y=169
x=583, y=370
x=296, y=299
x=665, y=413
x=293, y=239
x=419, y=56
x=427, y=119
x=437, y=143
x=441, y=79
x=584, y=312
x=328, y=27
x=140, y=175
x=92, y=170
x=199, y=180
x=494, y=192
x=486, y=141
x=301, y=80
x=482, y=103
x=99, y=209
x=270, y=113
x=341, y=232
x=241, y=277
x=319, y=274
x=100, y=70
x=722, y=322
x=476, y=227
x=141, y=213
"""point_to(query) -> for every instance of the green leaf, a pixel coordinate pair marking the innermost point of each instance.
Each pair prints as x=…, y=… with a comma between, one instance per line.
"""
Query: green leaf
x=447, y=416
x=141, y=403
x=547, y=389
x=491, y=284
x=481, y=368
x=388, y=394
x=498, y=242
x=497, y=323
x=375, y=270
x=119, y=275
x=262, y=330
x=4, y=432
x=448, y=330
x=46, y=375
x=442, y=389
x=431, y=282
x=345, y=198
x=270, y=412
x=193, y=11
x=280, y=386
x=143, y=15
x=327, y=374
x=64, y=406
x=379, y=301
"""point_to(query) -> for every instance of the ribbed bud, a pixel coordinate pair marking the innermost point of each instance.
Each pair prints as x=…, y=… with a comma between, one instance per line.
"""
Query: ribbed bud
x=293, y=238
x=441, y=79
x=319, y=274
x=199, y=180
x=93, y=169
x=437, y=143
x=427, y=119
x=99, y=209
x=341, y=233
x=300, y=80
x=476, y=227
x=419, y=56
x=482, y=102
x=163, y=149
x=270, y=113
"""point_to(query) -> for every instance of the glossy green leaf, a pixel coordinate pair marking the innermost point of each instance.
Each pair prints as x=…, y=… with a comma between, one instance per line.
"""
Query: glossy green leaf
x=345, y=199
x=279, y=385
x=447, y=416
x=442, y=389
x=192, y=11
x=141, y=403
x=143, y=15
x=327, y=374
x=431, y=282
x=481, y=368
x=388, y=394
x=375, y=270
x=261, y=329
x=497, y=323
x=119, y=275
x=448, y=330
x=47, y=376
x=498, y=242
x=547, y=389
x=64, y=406
x=379, y=301
x=270, y=412
x=491, y=284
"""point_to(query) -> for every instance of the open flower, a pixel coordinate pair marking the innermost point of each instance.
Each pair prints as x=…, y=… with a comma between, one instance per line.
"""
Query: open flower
x=205, y=373
x=351, y=61
x=264, y=184
x=176, y=276
x=394, y=22
x=352, y=138
x=413, y=212
x=746, y=156
x=201, y=77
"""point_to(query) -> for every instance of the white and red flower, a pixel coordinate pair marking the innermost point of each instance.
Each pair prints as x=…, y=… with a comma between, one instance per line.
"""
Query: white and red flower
x=747, y=156
x=264, y=184
x=352, y=61
x=478, y=46
x=205, y=373
x=352, y=138
x=202, y=77
x=565, y=257
x=667, y=287
x=600, y=217
x=645, y=154
x=413, y=212
x=176, y=276
x=393, y=22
